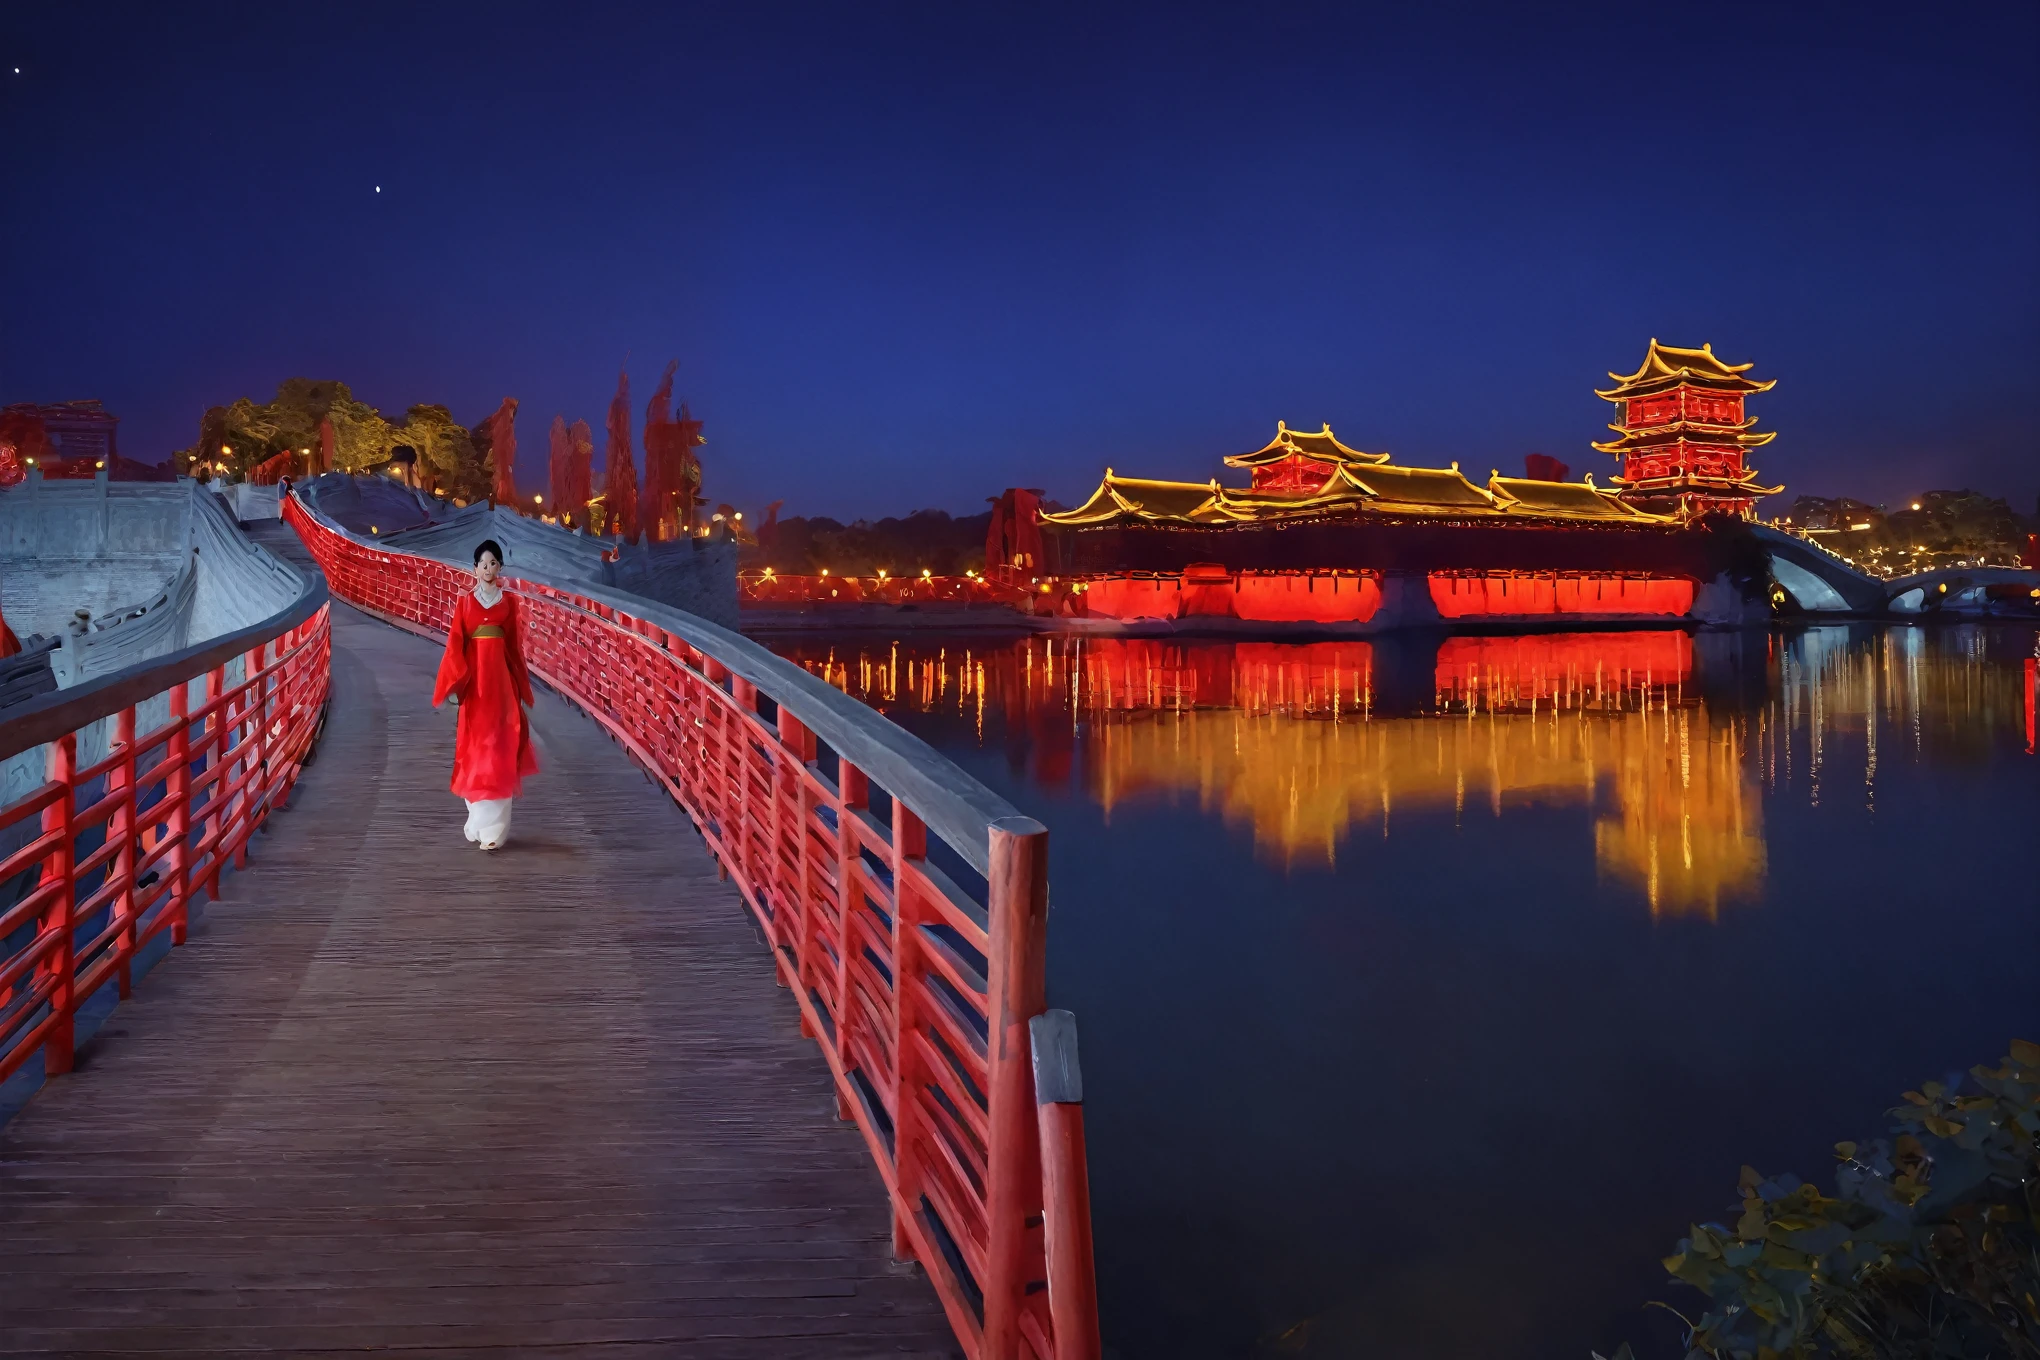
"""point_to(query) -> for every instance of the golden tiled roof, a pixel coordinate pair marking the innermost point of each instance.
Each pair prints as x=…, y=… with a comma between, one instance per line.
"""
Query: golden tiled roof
x=1323, y=447
x=1742, y=436
x=1566, y=500
x=1745, y=485
x=1381, y=489
x=1668, y=366
x=1140, y=498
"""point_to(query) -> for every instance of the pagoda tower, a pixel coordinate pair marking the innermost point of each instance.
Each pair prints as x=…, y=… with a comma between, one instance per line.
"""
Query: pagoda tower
x=1682, y=436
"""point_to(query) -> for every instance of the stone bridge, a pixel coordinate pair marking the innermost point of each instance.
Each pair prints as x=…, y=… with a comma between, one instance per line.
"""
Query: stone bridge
x=1820, y=582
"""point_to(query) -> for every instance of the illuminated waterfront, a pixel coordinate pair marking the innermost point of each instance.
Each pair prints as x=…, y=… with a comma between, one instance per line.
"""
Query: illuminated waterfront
x=1430, y=987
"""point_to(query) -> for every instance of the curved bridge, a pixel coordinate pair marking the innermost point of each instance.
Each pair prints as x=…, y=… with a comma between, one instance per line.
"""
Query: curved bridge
x=1822, y=583
x=1960, y=589
x=403, y=1095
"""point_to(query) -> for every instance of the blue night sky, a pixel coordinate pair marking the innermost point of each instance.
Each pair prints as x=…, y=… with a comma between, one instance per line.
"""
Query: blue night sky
x=907, y=256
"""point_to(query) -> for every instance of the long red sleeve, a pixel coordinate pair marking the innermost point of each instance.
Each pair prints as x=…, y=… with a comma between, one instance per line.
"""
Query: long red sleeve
x=453, y=665
x=514, y=648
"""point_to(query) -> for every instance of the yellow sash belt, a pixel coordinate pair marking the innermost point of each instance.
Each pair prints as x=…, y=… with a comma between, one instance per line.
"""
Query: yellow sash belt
x=488, y=630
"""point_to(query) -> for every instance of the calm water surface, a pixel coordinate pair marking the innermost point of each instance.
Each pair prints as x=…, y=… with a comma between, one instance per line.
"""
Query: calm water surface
x=1428, y=989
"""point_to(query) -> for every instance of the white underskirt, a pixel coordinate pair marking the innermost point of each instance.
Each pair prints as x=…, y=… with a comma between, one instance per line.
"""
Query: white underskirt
x=488, y=822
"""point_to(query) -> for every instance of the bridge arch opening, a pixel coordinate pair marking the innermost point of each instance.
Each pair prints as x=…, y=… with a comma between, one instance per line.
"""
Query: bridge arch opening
x=1807, y=590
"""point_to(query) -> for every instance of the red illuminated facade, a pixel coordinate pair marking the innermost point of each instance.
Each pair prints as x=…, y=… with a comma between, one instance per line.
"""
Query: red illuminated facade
x=1682, y=435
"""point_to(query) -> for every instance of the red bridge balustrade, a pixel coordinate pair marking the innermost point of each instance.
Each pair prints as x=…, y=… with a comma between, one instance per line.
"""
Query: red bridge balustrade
x=919, y=991
x=148, y=794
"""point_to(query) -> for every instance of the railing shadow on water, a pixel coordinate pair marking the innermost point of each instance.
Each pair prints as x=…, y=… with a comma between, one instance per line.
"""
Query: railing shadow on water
x=904, y=903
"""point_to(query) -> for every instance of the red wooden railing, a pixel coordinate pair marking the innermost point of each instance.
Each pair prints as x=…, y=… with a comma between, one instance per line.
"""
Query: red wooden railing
x=918, y=992
x=117, y=849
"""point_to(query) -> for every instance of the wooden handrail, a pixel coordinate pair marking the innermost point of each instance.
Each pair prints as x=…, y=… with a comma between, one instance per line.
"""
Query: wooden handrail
x=918, y=991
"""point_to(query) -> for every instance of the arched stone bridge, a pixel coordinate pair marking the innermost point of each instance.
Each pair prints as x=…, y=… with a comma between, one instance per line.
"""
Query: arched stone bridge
x=1820, y=582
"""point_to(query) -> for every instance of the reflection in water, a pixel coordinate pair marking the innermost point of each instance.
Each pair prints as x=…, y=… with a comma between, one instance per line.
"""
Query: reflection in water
x=1517, y=947
x=1307, y=744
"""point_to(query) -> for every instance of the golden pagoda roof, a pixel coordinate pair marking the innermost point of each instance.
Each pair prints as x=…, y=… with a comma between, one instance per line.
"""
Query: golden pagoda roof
x=1694, y=432
x=1381, y=489
x=1745, y=484
x=1425, y=490
x=1668, y=366
x=1566, y=500
x=1322, y=447
x=1141, y=498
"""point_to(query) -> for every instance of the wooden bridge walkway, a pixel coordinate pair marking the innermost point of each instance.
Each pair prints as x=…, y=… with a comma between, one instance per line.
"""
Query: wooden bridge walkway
x=401, y=1095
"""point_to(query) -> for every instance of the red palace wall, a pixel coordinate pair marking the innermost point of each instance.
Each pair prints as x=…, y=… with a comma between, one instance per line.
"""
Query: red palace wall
x=1326, y=597
x=1285, y=597
x=1683, y=403
x=1501, y=594
x=1704, y=460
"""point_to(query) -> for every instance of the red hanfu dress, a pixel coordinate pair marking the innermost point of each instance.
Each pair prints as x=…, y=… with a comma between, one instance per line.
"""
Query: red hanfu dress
x=483, y=668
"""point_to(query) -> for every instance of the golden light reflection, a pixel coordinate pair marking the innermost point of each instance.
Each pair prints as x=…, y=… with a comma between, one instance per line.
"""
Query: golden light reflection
x=1686, y=832
x=1666, y=746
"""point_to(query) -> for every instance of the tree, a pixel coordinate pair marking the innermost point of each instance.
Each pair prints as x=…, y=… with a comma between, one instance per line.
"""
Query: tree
x=245, y=435
x=447, y=450
x=495, y=444
x=620, y=484
x=361, y=437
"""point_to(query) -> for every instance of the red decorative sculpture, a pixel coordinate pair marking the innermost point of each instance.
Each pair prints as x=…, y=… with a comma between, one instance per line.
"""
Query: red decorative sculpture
x=1013, y=539
x=495, y=440
x=620, y=486
x=672, y=472
x=571, y=482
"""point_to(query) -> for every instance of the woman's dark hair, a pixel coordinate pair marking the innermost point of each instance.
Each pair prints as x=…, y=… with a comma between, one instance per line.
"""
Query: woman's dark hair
x=489, y=545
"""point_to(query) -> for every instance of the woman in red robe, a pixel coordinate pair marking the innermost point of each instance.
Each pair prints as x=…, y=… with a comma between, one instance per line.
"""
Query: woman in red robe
x=483, y=671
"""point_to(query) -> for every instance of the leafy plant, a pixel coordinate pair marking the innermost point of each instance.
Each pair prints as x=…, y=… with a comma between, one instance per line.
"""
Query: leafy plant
x=1929, y=1249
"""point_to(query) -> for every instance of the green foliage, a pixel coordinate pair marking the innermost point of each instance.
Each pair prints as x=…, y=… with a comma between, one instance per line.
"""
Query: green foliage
x=444, y=445
x=362, y=436
x=1929, y=1249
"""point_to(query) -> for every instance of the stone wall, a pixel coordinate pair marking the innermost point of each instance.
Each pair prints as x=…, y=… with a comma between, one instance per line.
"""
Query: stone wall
x=161, y=566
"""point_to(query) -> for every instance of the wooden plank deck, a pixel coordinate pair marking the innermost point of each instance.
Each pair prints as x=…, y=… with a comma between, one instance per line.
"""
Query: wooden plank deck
x=398, y=1094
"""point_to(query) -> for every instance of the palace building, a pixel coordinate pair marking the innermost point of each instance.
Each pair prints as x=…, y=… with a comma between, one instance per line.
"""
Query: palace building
x=1327, y=535
x=1683, y=439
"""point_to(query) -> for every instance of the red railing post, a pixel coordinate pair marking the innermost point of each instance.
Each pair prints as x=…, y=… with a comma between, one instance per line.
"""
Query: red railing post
x=120, y=829
x=909, y=849
x=177, y=793
x=737, y=738
x=793, y=800
x=715, y=795
x=1065, y=1187
x=1017, y=889
x=59, y=867
x=214, y=751
x=852, y=794
x=254, y=717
